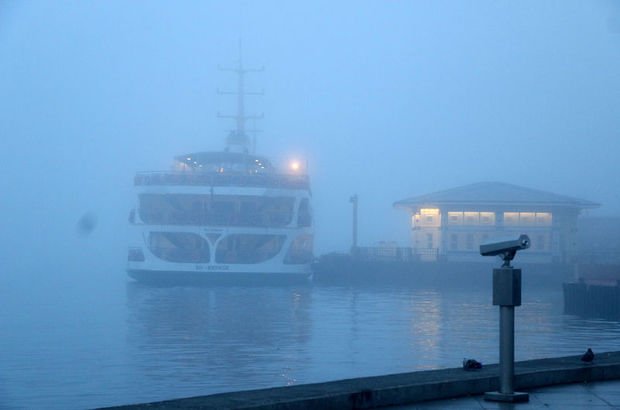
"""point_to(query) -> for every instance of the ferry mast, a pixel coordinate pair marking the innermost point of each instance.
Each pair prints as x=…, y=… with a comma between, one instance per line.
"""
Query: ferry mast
x=238, y=140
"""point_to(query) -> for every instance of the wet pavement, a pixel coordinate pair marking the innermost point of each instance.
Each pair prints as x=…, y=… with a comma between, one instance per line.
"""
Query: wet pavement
x=596, y=395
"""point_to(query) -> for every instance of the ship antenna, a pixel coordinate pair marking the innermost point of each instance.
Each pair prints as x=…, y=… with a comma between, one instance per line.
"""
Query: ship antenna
x=238, y=140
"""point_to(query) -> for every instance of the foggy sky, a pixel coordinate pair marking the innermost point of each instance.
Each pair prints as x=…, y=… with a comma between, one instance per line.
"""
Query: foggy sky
x=384, y=99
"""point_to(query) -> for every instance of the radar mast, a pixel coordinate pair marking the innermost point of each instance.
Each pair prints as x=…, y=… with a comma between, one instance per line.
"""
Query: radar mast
x=238, y=140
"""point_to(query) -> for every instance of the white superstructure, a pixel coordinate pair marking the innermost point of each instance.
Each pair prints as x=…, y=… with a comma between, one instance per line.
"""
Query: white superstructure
x=222, y=215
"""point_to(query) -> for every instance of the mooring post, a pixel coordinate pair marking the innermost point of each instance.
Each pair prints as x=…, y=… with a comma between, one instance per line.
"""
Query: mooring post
x=506, y=295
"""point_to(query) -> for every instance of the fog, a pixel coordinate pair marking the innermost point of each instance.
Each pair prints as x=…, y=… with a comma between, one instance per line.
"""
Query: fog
x=386, y=100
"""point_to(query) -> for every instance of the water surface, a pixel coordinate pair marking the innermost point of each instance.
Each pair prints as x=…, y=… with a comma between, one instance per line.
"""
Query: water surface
x=79, y=343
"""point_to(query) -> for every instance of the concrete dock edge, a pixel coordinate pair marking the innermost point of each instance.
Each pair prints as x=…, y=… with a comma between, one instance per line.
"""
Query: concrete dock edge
x=402, y=388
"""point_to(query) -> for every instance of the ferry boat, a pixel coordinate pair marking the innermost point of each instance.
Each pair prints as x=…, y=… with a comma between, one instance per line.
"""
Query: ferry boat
x=221, y=216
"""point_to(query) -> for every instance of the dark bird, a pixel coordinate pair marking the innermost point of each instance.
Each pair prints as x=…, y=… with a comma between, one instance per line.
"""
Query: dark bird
x=588, y=356
x=471, y=364
x=86, y=224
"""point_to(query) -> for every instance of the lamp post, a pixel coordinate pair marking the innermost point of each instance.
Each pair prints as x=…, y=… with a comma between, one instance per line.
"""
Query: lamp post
x=354, y=200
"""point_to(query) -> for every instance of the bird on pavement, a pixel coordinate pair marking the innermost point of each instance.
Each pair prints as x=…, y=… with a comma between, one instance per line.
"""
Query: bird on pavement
x=588, y=356
x=471, y=364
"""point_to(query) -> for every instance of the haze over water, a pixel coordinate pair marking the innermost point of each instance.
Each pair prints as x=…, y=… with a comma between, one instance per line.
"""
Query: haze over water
x=65, y=346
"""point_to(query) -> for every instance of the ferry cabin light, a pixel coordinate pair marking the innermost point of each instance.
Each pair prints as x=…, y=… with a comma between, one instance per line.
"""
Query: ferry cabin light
x=295, y=166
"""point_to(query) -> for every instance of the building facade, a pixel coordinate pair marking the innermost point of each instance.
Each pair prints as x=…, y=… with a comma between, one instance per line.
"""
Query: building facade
x=450, y=225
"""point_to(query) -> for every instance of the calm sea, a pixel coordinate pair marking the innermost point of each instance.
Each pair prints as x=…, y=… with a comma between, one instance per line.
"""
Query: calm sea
x=76, y=342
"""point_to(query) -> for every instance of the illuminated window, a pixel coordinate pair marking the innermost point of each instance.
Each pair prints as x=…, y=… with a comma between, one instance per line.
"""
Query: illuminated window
x=527, y=218
x=511, y=218
x=487, y=218
x=543, y=218
x=427, y=217
x=471, y=218
x=455, y=218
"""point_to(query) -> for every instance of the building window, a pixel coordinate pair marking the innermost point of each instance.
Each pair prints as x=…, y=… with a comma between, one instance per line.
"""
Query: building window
x=487, y=218
x=455, y=218
x=527, y=218
x=469, y=242
x=454, y=241
x=540, y=243
x=429, y=241
x=543, y=218
x=511, y=218
x=427, y=217
x=471, y=218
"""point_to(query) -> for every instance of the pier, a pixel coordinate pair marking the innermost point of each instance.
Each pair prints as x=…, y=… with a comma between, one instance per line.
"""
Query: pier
x=423, y=387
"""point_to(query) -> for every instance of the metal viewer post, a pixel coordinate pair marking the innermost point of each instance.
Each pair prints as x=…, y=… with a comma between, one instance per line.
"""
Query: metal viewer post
x=507, y=295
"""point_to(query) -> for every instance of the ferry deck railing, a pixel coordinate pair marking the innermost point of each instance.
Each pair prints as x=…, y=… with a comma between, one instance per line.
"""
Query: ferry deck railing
x=287, y=181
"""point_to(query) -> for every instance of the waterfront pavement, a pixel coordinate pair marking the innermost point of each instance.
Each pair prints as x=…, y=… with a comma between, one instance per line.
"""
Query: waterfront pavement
x=595, y=395
x=556, y=383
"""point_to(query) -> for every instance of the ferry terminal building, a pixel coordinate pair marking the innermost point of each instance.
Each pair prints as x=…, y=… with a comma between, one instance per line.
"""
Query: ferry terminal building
x=450, y=225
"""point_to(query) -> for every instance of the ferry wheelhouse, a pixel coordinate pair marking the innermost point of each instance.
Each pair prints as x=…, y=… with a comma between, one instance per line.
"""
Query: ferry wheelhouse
x=222, y=215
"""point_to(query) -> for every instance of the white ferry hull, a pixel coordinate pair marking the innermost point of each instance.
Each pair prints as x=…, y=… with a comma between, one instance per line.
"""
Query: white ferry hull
x=166, y=277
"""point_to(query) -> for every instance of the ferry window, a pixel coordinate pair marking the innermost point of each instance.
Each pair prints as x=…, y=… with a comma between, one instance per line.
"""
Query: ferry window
x=179, y=247
x=248, y=248
x=300, y=251
x=277, y=211
x=220, y=210
x=170, y=209
x=304, y=217
x=249, y=212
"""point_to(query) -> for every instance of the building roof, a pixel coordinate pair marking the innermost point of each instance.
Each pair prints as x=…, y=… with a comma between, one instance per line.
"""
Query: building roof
x=495, y=194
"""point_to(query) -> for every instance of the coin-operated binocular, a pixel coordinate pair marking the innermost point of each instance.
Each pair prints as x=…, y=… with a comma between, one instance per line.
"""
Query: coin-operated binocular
x=505, y=248
x=506, y=295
